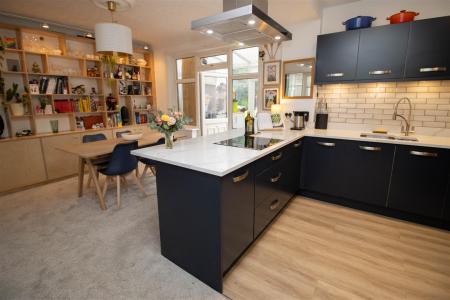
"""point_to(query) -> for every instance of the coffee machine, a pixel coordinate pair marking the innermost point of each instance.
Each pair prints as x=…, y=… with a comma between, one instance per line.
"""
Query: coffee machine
x=300, y=119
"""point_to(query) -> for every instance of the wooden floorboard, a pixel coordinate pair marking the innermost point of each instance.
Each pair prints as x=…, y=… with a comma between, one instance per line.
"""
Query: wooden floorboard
x=317, y=250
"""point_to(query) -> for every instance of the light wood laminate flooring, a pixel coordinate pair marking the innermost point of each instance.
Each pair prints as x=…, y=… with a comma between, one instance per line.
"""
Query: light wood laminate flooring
x=316, y=250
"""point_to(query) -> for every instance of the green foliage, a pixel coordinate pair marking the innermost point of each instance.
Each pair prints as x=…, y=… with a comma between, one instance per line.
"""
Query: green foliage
x=12, y=93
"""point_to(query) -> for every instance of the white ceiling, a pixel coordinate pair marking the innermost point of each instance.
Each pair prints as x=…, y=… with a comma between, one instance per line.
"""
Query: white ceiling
x=165, y=24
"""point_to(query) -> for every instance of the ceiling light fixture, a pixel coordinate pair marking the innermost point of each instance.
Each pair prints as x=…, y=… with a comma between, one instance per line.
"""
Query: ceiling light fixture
x=278, y=37
x=251, y=22
x=113, y=37
x=45, y=25
x=241, y=44
x=89, y=35
x=146, y=47
x=209, y=31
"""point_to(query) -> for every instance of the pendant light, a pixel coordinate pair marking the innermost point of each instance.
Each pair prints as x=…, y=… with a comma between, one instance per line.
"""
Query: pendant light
x=113, y=37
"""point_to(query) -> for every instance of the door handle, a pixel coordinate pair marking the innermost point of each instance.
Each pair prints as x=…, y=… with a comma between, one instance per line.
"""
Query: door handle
x=274, y=204
x=369, y=148
x=433, y=69
x=380, y=72
x=298, y=144
x=277, y=157
x=420, y=153
x=276, y=178
x=239, y=178
x=335, y=74
x=325, y=144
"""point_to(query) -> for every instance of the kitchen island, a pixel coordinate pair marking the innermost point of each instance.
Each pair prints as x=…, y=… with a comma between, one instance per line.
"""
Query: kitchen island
x=215, y=200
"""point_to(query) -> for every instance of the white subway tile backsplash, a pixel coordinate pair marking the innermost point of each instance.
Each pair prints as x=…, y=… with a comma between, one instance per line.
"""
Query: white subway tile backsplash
x=372, y=104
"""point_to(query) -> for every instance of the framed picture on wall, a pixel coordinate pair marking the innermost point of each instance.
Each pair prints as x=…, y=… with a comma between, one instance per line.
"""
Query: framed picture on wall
x=271, y=96
x=272, y=72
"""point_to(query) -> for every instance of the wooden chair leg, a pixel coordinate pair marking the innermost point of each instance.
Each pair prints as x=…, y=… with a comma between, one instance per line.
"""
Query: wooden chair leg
x=137, y=171
x=125, y=182
x=89, y=181
x=105, y=187
x=144, y=172
x=118, y=190
x=139, y=184
x=153, y=169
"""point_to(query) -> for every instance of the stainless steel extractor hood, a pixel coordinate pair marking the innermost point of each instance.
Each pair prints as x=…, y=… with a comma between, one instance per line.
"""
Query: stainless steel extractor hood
x=243, y=21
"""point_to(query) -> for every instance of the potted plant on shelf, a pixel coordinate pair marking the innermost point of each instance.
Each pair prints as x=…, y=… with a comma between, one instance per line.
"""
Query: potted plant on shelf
x=18, y=107
x=168, y=124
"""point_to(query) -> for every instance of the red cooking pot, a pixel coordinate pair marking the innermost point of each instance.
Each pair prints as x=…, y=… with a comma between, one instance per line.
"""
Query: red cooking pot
x=402, y=17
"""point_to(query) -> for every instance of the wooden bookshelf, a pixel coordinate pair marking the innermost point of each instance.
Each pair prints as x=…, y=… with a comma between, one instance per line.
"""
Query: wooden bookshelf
x=58, y=55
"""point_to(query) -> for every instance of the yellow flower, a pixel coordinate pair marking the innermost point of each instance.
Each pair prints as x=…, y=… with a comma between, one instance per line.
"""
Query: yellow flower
x=165, y=118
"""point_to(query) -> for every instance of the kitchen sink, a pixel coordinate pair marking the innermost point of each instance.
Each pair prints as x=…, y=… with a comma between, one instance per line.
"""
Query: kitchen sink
x=389, y=137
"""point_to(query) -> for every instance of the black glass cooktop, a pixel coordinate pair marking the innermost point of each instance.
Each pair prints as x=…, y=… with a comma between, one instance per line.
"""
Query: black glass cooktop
x=249, y=142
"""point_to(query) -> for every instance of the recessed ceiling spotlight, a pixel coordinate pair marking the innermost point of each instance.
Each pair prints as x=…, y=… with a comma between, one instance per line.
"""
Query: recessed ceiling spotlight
x=209, y=31
x=89, y=35
x=241, y=44
x=278, y=37
x=146, y=47
x=301, y=65
x=45, y=25
x=251, y=22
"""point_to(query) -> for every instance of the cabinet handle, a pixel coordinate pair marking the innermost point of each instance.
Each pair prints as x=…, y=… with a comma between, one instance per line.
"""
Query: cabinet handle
x=276, y=178
x=420, y=153
x=298, y=144
x=239, y=178
x=369, y=148
x=326, y=144
x=335, y=74
x=274, y=204
x=433, y=69
x=277, y=157
x=380, y=72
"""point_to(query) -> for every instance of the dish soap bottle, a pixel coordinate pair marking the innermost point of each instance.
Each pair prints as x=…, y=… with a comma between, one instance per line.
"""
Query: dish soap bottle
x=249, y=124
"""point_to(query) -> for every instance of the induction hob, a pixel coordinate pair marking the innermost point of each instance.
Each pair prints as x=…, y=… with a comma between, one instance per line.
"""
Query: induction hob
x=249, y=142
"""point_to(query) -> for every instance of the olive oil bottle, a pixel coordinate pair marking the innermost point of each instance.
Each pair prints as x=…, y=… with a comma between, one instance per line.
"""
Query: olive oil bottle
x=249, y=124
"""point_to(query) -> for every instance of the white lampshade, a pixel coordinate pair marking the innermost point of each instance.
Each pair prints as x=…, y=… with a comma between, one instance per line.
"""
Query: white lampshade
x=275, y=108
x=112, y=37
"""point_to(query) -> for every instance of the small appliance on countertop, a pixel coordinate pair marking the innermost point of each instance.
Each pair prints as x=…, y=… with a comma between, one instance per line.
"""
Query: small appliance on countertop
x=300, y=119
x=249, y=142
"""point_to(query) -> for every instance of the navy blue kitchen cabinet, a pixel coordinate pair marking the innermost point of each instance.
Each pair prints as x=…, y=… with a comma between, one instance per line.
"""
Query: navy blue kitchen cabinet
x=447, y=203
x=368, y=172
x=276, y=184
x=358, y=171
x=429, y=49
x=409, y=51
x=323, y=166
x=419, y=180
x=382, y=52
x=336, y=57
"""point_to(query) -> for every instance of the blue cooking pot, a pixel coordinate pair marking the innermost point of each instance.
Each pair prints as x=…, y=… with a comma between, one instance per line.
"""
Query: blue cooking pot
x=358, y=22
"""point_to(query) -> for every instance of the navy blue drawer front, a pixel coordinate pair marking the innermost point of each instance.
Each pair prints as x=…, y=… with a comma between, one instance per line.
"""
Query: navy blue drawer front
x=267, y=210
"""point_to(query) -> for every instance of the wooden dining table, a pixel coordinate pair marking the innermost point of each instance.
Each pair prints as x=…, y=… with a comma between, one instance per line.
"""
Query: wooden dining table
x=88, y=152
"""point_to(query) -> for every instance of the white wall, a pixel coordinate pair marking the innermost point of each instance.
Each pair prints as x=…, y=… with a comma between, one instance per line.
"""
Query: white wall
x=165, y=80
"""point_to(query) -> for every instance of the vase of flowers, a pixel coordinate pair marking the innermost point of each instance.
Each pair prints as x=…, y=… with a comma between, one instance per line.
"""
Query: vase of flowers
x=168, y=124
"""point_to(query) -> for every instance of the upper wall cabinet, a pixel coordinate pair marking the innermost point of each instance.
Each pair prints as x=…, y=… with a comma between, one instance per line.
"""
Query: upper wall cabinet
x=429, y=49
x=382, y=52
x=336, y=56
x=408, y=51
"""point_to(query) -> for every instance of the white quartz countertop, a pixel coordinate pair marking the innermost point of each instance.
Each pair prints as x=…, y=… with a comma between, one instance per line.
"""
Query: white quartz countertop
x=201, y=154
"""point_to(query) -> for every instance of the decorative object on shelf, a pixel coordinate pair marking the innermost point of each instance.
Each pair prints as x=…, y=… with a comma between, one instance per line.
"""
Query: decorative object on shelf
x=141, y=62
x=25, y=132
x=13, y=65
x=94, y=99
x=123, y=89
x=44, y=102
x=10, y=42
x=34, y=86
x=111, y=103
x=125, y=115
x=79, y=90
x=168, y=124
x=270, y=97
x=54, y=126
x=35, y=68
x=147, y=90
x=113, y=37
x=20, y=102
x=402, y=17
x=358, y=22
x=272, y=72
x=93, y=72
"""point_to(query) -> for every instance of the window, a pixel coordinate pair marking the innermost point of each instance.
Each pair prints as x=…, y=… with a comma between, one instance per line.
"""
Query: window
x=186, y=100
x=213, y=60
x=245, y=61
x=245, y=96
x=185, y=68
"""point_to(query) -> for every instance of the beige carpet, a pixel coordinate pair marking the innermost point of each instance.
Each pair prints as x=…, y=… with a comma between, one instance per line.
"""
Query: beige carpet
x=54, y=245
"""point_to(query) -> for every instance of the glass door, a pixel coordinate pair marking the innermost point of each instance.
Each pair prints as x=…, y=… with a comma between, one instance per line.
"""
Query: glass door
x=214, y=104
